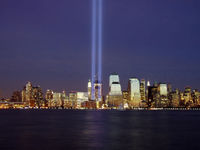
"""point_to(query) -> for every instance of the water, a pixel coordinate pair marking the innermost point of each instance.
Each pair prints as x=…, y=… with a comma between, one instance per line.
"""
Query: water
x=72, y=129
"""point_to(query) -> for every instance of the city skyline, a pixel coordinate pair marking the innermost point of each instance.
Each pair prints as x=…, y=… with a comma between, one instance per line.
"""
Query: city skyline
x=139, y=95
x=99, y=74
x=50, y=44
x=105, y=89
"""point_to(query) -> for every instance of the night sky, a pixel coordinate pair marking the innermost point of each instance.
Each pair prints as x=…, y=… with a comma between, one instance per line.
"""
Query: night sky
x=48, y=42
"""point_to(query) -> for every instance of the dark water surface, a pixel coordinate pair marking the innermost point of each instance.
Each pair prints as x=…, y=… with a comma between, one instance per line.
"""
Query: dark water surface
x=72, y=129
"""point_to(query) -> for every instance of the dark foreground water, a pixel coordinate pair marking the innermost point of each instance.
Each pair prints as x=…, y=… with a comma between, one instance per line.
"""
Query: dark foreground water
x=71, y=129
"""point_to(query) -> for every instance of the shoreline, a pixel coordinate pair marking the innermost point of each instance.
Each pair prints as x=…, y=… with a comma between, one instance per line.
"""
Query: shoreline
x=133, y=109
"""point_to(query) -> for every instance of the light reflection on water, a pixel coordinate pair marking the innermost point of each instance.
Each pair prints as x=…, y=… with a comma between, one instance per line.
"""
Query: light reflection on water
x=69, y=129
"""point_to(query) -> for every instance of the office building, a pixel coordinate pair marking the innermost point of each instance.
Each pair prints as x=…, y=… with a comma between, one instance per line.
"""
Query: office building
x=134, y=92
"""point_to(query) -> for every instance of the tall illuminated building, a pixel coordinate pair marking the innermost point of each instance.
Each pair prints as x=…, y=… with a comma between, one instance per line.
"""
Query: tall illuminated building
x=28, y=91
x=32, y=96
x=163, y=89
x=196, y=97
x=49, y=97
x=28, y=94
x=114, y=77
x=115, y=97
x=73, y=99
x=24, y=95
x=188, y=95
x=65, y=99
x=148, y=83
x=147, y=87
x=115, y=89
x=163, y=94
x=89, y=90
x=57, y=99
x=182, y=100
x=143, y=90
x=97, y=91
x=81, y=98
x=174, y=98
x=134, y=92
x=114, y=85
x=143, y=93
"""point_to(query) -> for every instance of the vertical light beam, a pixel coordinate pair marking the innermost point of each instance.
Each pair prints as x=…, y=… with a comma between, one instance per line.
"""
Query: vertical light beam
x=99, y=45
x=93, y=48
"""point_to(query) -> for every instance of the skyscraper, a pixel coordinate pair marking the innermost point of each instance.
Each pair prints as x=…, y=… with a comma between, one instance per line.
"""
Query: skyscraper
x=143, y=93
x=143, y=90
x=163, y=89
x=114, y=77
x=24, y=95
x=114, y=85
x=28, y=92
x=148, y=83
x=73, y=99
x=174, y=98
x=81, y=98
x=97, y=91
x=188, y=96
x=115, y=97
x=89, y=90
x=49, y=97
x=57, y=99
x=163, y=94
x=134, y=92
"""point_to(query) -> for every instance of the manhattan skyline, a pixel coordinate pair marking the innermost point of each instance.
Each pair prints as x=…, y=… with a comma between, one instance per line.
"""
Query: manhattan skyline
x=49, y=43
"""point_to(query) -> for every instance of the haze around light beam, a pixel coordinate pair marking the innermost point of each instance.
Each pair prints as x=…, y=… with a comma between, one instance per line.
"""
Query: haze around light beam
x=96, y=45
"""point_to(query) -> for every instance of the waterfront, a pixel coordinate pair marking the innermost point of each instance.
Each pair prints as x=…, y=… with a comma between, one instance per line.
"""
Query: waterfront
x=99, y=129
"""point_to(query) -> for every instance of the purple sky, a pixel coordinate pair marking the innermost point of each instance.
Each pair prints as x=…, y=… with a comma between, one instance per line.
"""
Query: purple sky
x=48, y=42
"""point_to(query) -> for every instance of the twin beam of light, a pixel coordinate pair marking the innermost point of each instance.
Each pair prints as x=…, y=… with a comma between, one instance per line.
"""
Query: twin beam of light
x=96, y=45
